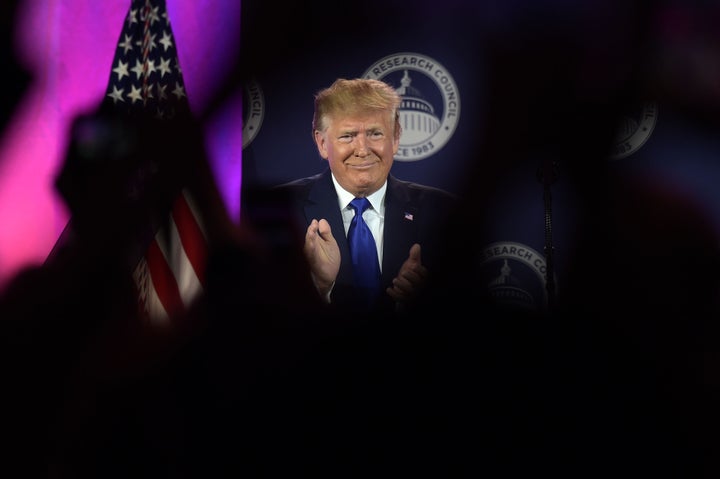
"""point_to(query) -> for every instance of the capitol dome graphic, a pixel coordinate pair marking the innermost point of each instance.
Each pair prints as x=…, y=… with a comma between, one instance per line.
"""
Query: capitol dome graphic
x=506, y=291
x=417, y=116
x=430, y=102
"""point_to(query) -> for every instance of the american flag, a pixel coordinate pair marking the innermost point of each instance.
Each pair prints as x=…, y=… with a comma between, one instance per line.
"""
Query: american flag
x=146, y=76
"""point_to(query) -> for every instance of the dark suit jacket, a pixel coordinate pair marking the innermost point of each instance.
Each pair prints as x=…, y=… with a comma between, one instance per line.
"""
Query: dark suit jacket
x=414, y=213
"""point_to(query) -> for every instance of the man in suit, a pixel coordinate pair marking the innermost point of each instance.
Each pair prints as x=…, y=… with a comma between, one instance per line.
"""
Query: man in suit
x=356, y=127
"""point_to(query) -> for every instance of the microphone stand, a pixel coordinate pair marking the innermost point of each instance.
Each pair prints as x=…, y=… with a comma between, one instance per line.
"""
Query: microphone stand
x=548, y=175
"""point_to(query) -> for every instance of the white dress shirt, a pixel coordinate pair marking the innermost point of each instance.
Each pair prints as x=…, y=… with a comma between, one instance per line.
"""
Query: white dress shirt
x=373, y=216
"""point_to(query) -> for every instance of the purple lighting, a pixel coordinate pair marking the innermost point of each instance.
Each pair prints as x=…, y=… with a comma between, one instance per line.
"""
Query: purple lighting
x=68, y=47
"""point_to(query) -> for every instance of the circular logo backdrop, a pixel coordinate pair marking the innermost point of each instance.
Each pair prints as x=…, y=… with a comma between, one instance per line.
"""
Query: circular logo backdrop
x=430, y=106
x=634, y=129
x=253, y=112
x=514, y=274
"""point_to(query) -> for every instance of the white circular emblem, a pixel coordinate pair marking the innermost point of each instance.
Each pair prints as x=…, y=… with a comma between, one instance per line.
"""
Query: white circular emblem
x=430, y=106
x=253, y=112
x=515, y=275
x=634, y=130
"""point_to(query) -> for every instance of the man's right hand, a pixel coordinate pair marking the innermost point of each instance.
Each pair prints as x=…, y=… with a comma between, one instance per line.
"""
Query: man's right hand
x=323, y=255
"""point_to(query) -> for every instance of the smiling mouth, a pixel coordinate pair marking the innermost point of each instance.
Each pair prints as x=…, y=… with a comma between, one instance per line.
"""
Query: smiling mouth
x=363, y=165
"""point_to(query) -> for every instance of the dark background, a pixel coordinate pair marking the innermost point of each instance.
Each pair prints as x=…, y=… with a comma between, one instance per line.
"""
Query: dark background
x=619, y=381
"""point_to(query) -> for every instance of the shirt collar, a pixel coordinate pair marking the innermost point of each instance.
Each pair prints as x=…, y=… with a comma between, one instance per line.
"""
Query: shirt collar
x=345, y=197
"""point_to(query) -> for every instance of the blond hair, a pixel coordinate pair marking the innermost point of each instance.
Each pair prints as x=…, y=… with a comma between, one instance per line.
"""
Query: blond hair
x=359, y=95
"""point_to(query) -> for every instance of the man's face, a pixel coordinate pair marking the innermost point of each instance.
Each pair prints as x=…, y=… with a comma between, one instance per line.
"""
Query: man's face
x=360, y=150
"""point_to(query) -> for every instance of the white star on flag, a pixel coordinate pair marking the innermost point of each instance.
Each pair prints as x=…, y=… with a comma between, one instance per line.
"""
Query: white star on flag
x=171, y=274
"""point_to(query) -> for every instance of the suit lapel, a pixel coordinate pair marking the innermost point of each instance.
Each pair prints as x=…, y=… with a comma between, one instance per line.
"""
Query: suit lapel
x=400, y=229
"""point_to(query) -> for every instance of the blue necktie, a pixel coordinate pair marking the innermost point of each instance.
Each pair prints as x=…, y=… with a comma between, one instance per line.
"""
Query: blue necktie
x=363, y=252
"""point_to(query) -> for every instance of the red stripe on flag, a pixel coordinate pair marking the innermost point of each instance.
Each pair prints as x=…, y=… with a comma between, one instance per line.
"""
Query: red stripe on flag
x=163, y=280
x=191, y=237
